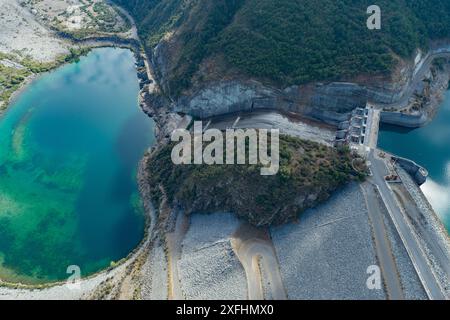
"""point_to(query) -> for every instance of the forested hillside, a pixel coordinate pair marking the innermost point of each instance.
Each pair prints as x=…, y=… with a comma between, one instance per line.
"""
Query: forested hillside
x=288, y=41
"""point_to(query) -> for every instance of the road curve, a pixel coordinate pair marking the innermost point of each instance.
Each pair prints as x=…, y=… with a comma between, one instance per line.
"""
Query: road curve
x=411, y=243
x=253, y=246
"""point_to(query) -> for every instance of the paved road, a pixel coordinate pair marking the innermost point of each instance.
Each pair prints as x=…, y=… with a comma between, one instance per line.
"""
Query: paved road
x=413, y=247
x=152, y=87
x=384, y=251
x=443, y=52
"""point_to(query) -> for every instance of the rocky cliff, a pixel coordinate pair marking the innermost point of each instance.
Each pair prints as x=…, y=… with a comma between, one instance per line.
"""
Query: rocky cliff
x=309, y=173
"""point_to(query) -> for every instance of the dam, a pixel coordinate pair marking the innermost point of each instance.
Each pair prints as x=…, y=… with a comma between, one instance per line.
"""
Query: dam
x=427, y=146
x=71, y=144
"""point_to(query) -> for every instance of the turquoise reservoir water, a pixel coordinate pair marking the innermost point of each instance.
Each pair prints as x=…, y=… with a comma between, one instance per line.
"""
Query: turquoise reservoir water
x=430, y=147
x=69, y=150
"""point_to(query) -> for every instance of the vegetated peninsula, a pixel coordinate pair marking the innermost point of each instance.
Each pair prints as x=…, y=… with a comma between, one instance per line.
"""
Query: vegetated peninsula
x=309, y=173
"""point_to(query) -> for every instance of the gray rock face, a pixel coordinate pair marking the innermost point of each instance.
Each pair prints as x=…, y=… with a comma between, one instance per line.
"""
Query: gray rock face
x=387, y=92
x=339, y=97
x=330, y=102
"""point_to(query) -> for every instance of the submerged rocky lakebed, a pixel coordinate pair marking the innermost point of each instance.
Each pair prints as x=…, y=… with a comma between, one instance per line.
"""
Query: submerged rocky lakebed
x=70, y=145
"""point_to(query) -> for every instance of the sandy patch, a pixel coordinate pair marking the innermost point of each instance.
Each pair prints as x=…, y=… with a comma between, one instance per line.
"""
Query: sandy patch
x=209, y=268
